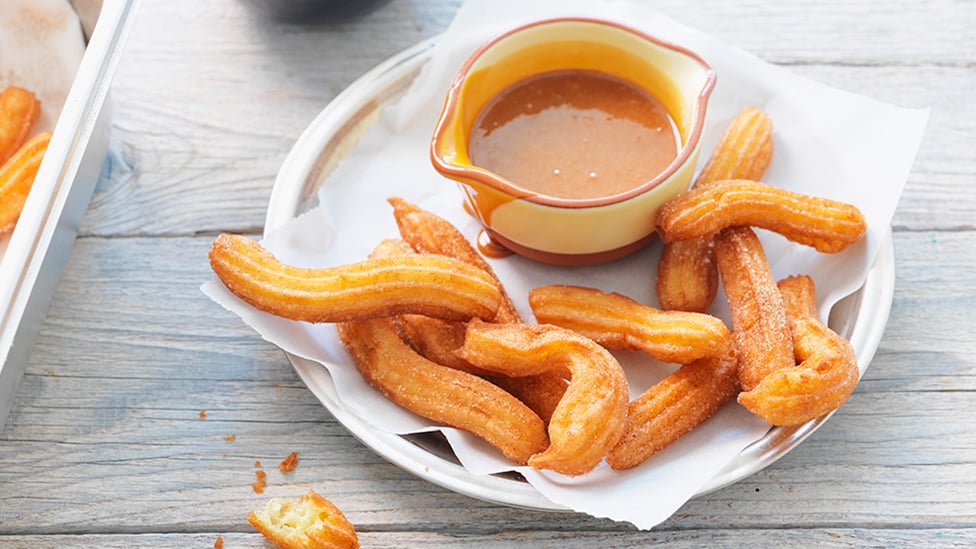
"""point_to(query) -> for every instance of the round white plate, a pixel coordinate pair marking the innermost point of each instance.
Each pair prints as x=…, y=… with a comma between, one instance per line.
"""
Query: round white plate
x=860, y=317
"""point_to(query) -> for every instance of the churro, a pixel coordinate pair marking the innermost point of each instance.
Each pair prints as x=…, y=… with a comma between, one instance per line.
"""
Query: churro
x=825, y=375
x=431, y=285
x=17, y=178
x=687, y=279
x=589, y=419
x=19, y=110
x=619, y=322
x=310, y=522
x=760, y=330
x=440, y=393
x=674, y=406
x=827, y=225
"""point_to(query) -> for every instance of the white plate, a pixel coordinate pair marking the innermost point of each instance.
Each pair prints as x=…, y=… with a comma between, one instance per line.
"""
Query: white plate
x=860, y=317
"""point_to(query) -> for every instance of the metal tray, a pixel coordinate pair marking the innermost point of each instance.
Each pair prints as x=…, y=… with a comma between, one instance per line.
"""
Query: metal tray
x=861, y=317
x=38, y=249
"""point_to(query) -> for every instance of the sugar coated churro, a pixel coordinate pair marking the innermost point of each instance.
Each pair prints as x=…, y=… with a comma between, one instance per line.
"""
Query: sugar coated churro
x=827, y=225
x=825, y=375
x=589, y=419
x=425, y=284
x=619, y=322
x=760, y=330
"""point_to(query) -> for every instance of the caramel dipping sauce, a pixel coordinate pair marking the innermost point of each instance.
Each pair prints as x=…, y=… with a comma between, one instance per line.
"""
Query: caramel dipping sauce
x=574, y=134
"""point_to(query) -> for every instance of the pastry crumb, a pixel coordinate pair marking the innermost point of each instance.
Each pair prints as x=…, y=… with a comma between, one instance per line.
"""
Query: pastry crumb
x=260, y=483
x=257, y=463
x=219, y=543
x=230, y=438
x=203, y=413
x=288, y=464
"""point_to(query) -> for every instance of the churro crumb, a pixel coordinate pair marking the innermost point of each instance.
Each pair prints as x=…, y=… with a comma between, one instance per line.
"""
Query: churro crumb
x=260, y=483
x=288, y=464
x=257, y=463
x=219, y=544
x=203, y=413
x=231, y=437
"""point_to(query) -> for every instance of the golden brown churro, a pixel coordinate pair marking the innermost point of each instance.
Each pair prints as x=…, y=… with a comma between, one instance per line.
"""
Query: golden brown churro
x=760, y=330
x=825, y=376
x=827, y=225
x=19, y=110
x=619, y=322
x=17, y=178
x=438, y=339
x=440, y=393
x=590, y=417
x=687, y=278
x=311, y=522
x=425, y=284
x=675, y=405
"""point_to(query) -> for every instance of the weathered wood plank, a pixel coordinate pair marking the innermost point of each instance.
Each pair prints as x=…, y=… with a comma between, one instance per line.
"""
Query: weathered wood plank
x=833, y=537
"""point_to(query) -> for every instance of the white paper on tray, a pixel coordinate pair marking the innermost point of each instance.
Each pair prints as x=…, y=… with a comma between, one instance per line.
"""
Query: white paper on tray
x=41, y=46
x=827, y=142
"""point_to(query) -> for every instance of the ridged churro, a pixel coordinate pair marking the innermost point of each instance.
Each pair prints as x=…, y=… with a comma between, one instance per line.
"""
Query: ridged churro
x=827, y=225
x=19, y=110
x=590, y=417
x=429, y=233
x=17, y=178
x=760, y=330
x=425, y=284
x=825, y=375
x=619, y=322
x=674, y=406
x=440, y=393
x=438, y=339
x=687, y=279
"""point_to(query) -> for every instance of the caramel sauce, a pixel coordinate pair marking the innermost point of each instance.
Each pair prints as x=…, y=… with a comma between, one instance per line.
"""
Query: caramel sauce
x=574, y=134
x=489, y=248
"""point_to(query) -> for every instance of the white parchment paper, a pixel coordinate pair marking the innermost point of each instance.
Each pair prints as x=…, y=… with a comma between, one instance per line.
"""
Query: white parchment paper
x=827, y=142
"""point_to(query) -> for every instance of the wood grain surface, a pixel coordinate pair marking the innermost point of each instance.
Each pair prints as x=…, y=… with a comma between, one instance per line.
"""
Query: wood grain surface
x=105, y=445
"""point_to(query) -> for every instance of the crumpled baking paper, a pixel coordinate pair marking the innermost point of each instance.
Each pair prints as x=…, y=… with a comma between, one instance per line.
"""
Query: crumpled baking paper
x=827, y=142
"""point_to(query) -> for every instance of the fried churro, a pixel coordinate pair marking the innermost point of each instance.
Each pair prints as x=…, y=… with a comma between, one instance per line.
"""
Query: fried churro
x=827, y=225
x=760, y=330
x=438, y=339
x=674, y=406
x=310, y=522
x=619, y=322
x=17, y=178
x=825, y=375
x=19, y=110
x=687, y=279
x=589, y=419
x=440, y=393
x=425, y=284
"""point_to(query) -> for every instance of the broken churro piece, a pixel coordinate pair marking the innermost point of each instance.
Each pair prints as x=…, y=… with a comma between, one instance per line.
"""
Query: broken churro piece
x=310, y=522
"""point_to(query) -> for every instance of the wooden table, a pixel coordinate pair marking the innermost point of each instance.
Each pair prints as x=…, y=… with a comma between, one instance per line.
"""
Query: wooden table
x=107, y=445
